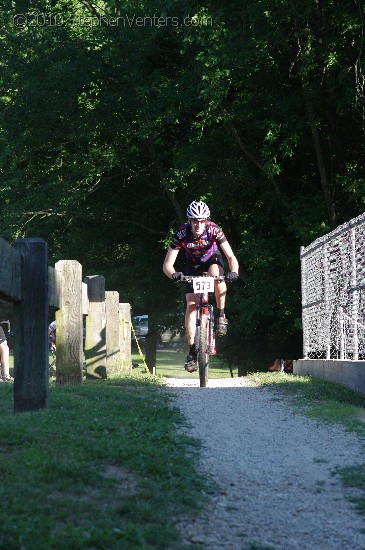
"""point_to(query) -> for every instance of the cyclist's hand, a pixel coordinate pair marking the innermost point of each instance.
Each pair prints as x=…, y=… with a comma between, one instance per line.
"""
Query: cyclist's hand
x=231, y=277
x=177, y=276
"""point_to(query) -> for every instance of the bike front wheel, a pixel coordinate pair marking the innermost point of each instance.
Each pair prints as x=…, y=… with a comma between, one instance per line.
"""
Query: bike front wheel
x=203, y=352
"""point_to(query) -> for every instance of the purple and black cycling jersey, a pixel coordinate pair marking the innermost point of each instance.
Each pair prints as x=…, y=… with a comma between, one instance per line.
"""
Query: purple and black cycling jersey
x=198, y=249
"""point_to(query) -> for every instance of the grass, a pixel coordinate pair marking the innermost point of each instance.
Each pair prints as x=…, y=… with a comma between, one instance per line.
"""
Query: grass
x=104, y=466
x=317, y=398
x=328, y=402
x=170, y=363
x=355, y=477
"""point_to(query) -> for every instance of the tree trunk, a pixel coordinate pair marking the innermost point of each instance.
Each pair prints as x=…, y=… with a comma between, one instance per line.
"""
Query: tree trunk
x=252, y=157
x=326, y=187
x=161, y=175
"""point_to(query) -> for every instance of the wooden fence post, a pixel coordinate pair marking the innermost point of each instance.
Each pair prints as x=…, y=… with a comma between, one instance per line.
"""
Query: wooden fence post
x=69, y=324
x=95, y=341
x=125, y=337
x=113, y=358
x=30, y=328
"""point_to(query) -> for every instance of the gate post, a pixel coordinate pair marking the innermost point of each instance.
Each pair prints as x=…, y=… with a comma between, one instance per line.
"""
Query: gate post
x=304, y=303
x=95, y=341
x=31, y=328
x=355, y=297
x=113, y=357
x=327, y=306
x=69, y=324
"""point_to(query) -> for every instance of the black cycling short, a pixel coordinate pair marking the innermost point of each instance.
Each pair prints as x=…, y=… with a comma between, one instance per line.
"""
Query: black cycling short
x=2, y=336
x=199, y=269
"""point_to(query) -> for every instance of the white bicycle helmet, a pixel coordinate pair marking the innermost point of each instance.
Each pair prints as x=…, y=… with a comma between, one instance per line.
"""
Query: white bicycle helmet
x=198, y=209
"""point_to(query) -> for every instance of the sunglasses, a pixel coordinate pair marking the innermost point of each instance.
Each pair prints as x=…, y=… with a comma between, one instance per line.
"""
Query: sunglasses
x=197, y=222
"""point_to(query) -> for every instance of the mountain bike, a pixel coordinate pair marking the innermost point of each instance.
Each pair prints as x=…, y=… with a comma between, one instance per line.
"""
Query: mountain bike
x=204, y=332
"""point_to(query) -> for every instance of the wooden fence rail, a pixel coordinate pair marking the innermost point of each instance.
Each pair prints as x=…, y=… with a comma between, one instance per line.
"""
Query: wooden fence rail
x=33, y=286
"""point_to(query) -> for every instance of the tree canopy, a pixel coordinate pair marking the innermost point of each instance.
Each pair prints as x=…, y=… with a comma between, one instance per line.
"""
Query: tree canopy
x=115, y=115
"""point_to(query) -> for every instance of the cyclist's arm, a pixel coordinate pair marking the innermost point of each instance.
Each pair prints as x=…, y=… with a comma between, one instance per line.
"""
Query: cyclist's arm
x=231, y=258
x=168, y=265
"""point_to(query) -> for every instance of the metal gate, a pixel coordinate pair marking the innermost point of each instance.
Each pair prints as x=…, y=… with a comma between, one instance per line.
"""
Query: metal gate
x=333, y=293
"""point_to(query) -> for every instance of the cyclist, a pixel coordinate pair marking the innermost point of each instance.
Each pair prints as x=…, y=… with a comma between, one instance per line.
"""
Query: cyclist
x=202, y=240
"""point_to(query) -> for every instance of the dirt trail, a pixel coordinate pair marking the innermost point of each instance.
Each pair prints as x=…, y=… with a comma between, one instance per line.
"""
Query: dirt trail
x=271, y=470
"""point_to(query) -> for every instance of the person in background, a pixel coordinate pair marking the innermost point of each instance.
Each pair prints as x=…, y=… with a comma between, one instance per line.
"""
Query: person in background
x=4, y=358
x=52, y=333
x=52, y=344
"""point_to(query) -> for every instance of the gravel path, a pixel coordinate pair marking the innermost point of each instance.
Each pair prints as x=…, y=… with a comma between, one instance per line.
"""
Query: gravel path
x=271, y=471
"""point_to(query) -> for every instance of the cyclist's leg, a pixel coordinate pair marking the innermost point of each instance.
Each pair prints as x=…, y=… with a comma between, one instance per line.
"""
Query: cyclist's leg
x=190, y=325
x=220, y=287
x=190, y=316
x=192, y=301
x=216, y=268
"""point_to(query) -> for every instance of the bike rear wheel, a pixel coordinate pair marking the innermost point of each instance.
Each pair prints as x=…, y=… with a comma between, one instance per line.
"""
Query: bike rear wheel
x=203, y=355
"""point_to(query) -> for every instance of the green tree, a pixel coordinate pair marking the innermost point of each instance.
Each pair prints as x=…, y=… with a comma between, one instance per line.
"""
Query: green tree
x=108, y=131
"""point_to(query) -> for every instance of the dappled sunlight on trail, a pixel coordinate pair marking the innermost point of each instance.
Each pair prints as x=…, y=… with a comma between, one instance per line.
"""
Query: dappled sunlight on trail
x=212, y=383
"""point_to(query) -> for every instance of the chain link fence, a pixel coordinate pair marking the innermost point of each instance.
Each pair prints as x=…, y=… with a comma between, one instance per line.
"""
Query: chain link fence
x=333, y=293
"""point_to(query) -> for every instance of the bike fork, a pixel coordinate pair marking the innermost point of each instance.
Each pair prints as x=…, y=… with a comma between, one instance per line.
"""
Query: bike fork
x=211, y=335
x=205, y=308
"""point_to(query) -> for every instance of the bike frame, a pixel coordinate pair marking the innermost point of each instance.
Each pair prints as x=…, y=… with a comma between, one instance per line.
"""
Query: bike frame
x=205, y=308
x=204, y=332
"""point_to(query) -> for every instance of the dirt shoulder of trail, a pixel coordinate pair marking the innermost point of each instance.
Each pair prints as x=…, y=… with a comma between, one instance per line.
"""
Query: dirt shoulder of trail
x=271, y=471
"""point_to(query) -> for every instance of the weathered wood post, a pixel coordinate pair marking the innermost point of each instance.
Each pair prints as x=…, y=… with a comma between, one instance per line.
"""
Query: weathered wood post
x=30, y=328
x=95, y=341
x=125, y=337
x=69, y=323
x=113, y=357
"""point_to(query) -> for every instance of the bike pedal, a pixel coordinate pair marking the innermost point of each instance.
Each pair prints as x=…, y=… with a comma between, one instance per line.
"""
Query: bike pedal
x=191, y=367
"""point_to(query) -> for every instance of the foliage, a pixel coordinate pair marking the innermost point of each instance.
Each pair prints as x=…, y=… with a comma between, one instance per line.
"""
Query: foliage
x=108, y=131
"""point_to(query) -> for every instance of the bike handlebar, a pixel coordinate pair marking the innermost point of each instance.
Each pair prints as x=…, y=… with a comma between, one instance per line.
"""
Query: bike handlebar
x=189, y=278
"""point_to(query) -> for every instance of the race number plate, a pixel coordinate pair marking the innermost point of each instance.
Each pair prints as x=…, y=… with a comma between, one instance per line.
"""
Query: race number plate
x=203, y=284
